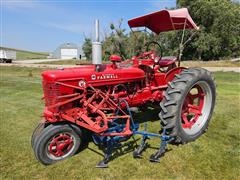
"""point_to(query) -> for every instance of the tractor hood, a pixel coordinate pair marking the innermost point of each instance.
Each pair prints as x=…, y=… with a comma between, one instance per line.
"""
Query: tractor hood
x=108, y=75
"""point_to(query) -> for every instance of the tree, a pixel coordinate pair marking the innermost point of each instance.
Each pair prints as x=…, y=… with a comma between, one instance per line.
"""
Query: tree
x=219, y=22
x=87, y=48
x=116, y=43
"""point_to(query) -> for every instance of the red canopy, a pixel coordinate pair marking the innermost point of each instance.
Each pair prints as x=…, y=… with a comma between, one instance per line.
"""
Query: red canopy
x=165, y=20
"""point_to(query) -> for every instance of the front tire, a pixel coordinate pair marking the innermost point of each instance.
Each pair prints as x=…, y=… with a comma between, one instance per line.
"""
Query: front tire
x=188, y=105
x=37, y=131
x=56, y=143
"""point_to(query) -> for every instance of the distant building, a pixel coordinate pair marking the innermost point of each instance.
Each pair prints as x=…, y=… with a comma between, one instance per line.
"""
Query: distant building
x=7, y=55
x=67, y=51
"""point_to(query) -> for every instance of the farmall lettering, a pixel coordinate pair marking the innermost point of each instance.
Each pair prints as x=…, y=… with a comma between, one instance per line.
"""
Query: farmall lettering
x=104, y=76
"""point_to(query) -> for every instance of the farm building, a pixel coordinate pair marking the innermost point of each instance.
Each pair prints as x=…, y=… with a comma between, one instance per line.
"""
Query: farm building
x=67, y=51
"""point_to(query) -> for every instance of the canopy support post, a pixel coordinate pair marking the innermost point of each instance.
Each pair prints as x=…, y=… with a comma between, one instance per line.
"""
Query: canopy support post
x=181, y=44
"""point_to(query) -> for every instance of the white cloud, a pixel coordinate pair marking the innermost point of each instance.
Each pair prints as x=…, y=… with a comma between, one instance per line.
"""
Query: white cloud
x=70, y=27
x=19, y=5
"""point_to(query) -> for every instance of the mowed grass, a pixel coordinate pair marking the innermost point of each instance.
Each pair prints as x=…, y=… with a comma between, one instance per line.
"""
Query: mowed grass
x=215, y=155
x=225, y=63
x=25, y=55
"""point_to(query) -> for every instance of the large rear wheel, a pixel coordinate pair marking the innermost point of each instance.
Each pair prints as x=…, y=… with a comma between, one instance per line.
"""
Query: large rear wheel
x=188, y=105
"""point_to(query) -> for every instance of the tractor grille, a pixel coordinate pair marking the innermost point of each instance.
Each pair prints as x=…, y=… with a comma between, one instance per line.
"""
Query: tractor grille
x=51, y=92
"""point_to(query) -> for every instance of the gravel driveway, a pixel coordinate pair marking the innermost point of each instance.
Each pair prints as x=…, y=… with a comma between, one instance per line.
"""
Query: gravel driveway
x=32, y=61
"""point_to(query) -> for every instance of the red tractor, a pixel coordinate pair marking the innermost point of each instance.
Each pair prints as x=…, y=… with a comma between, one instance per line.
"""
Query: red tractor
x=96, y=100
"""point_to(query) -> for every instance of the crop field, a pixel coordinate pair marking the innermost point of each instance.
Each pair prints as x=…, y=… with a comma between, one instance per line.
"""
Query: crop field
x=215, y=155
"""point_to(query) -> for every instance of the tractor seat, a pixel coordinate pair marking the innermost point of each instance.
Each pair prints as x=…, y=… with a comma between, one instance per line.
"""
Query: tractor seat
x=167, y=60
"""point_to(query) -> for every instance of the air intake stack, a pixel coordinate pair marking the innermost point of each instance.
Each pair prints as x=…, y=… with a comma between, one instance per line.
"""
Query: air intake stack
x=97, y=48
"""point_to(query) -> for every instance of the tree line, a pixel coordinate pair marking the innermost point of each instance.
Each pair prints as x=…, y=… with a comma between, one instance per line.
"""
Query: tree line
x=218, y=37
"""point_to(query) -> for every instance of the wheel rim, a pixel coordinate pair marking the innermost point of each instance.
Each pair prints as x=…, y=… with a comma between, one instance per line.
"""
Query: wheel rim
x=196, y=108
x=60, y=146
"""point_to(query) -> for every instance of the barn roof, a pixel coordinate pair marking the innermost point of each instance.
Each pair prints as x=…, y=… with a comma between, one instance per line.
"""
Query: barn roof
x=68, y=46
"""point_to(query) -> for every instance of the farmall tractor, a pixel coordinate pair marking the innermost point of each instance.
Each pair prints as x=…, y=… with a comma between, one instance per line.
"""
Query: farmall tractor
x=97, y=100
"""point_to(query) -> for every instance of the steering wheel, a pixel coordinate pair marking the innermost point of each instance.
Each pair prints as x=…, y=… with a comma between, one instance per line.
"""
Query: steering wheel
x=154, y=43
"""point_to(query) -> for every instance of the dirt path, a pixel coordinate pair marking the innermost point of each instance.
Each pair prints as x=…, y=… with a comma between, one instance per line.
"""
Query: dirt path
x=223, y=69
x=32, y=61
x=212, y=69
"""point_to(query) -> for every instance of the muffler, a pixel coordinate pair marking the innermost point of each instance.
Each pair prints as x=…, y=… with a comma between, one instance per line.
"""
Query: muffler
x=97, y=48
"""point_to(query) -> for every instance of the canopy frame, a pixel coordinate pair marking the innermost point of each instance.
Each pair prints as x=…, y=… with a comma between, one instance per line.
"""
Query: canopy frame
x=152, y=22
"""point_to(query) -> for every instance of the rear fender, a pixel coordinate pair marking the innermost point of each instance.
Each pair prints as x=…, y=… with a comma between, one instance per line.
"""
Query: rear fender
x=171, y=74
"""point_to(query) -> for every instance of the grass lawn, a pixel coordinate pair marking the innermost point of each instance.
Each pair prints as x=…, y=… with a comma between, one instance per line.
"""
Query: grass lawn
x=216, y=155
x=24, y=55
x=184, y=63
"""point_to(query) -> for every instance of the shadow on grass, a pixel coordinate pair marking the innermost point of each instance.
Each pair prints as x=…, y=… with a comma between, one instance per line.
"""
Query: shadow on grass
x=147, y=114
x=125, y=148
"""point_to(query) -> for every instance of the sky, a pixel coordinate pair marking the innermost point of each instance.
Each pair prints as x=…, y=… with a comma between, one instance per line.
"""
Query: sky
x=43, y=25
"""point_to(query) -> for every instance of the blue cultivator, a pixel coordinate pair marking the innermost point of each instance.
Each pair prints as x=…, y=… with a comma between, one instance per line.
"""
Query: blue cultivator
x=110, y=143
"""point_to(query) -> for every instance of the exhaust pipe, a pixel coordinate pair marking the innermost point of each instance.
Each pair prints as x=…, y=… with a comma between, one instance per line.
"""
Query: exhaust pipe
x=97, y=30
x=97, y=48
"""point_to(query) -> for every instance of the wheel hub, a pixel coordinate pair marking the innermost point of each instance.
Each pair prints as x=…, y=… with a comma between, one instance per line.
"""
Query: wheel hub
x=60, y=145
x=194, y=109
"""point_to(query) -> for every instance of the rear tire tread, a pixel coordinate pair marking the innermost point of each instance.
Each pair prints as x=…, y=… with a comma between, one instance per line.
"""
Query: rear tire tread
x=173, y=98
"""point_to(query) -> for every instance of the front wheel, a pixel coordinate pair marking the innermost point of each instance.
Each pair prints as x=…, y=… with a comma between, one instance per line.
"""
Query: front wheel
x=57, y=142
x=188, y=105
x=37, y=131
